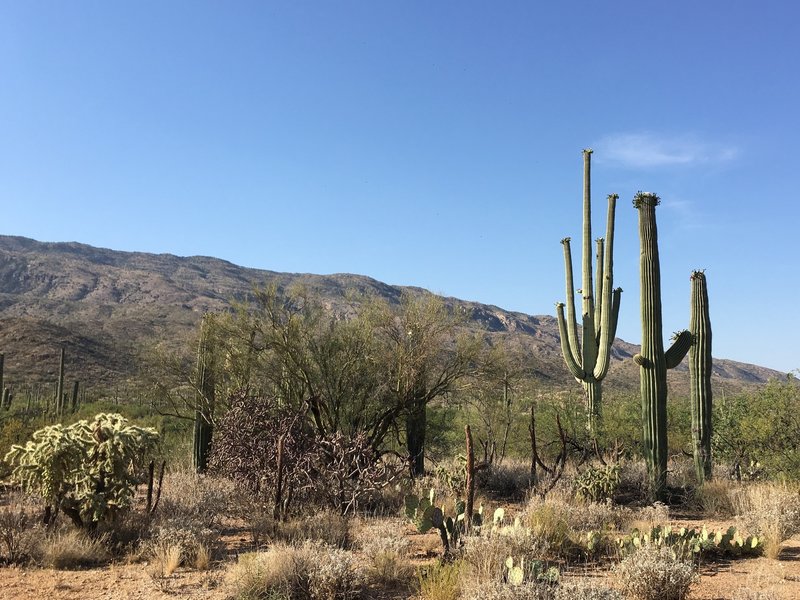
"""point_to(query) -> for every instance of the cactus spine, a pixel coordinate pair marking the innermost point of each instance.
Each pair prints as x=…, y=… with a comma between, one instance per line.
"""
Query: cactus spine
x=653, y=361
x=588, y=359
x=700, y=377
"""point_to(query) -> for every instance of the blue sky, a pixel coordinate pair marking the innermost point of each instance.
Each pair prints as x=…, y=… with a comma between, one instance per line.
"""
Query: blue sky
x=435, y=144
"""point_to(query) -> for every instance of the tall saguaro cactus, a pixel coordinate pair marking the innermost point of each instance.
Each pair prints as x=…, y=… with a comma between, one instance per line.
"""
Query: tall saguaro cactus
x=653, y=361
x=700, y=377
x=588, y=358
x=204, y=411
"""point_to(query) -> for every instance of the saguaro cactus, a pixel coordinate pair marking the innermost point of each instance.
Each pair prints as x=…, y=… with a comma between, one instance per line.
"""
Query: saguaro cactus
x=204, y=411
x=588, y=359
x=700, y=377
x=60, y=389
x=653, y=361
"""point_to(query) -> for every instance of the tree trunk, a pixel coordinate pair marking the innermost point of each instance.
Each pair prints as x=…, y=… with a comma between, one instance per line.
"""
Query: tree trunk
x=416, y=422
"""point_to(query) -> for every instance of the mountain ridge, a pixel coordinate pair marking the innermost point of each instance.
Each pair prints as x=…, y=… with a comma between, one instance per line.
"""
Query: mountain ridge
x=105, y=305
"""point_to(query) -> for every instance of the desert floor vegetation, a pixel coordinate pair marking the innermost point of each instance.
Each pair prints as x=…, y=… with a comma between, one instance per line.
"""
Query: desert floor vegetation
x=274, y=466
x=209, y=539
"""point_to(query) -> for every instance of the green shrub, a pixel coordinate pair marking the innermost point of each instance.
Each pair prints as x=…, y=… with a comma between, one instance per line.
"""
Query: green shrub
x=439, y=581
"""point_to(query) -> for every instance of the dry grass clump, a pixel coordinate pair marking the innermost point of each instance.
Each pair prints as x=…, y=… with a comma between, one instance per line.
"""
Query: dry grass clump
x=493, y=590
x=585, y=589
x=71, y=549
x=484, y=556
x=19, y=532
x=187, y=544
x=769, y=510
x=327, y=526
x=386, y=551
x=165, y=557
x=509, y=481
x=440, y=581
x=713, y=498
x=653, y=573
x=749, y=594
x=189, y=497
x=310, y=571
x=548, y=521
x=633, y=480
x=650, y=516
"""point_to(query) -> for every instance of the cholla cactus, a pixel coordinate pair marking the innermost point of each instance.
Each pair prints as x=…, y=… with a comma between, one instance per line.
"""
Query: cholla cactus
x=88, y=469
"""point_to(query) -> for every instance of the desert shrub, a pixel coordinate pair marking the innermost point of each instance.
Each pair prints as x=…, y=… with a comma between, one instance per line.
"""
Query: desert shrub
x=549, y=523
x=341, y=471
x=650, y=516
x=653, y=573
x=386, y=551
x=509, y=481
x=71, y=549
x=757, y=433
x=493, y=590
x=598, y=483
x=182, y=541
x=327, y=527
x=585, y=589
x=89, y=470
x=749, y=594
x=333, y=574
x=19, y=532
x=769, y=510
x=263, y=575
x=484, y=556
x=200, y=499
x=634, y=482
x=311, y=571
x=439, y=581
x=713, y=498
x=380, y=535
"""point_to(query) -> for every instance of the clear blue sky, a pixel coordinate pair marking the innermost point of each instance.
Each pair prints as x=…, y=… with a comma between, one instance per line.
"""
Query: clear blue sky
x=435, y=144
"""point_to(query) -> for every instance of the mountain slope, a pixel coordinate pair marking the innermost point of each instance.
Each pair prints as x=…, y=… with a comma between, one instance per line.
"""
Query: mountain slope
x=104, y=306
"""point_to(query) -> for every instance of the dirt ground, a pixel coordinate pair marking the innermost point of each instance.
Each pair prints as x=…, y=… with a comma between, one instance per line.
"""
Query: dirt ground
x=718, y=581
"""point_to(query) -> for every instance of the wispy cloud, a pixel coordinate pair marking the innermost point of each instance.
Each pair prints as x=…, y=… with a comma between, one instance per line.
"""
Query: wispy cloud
x=647, y=149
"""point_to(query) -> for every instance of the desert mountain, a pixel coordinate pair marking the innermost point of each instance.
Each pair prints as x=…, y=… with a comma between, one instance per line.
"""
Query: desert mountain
x=104, y=306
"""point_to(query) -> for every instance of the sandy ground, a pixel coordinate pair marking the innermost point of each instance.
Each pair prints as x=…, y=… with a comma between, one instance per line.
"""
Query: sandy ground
x=718, y=581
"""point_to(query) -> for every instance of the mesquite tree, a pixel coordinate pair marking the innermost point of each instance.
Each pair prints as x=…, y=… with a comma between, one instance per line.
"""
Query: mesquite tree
x=588, y=359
